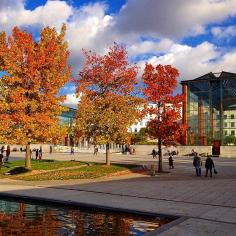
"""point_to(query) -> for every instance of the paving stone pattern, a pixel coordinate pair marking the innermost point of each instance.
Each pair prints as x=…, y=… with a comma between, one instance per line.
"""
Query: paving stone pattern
x=209, y=204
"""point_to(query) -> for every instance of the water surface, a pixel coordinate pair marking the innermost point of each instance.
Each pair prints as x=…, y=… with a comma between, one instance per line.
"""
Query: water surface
x=27, y=218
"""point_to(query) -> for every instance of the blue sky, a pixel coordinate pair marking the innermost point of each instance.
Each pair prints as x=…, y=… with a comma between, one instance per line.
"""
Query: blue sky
x=195, y=36
x=113, y=6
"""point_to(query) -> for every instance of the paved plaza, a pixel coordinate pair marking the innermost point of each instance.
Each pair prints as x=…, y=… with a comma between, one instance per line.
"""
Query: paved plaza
x=206, y=206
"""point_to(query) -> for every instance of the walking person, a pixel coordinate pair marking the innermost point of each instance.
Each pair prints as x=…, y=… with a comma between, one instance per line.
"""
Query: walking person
x=2, y=150
x=40, y=153
x=209, y=164
x=197, y=163
x=72, y=151
x=95, y=150
x=154, y=154
x=1, y=160
x=36, y=154
x=50, y=150
x=171, y=161
x=8, y=151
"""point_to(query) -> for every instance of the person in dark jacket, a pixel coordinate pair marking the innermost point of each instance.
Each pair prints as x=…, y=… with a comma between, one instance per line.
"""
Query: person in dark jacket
x=171, y=161
x=8, y=151
x=154, y=153
x=209, y=164
x=36, y=154
x=197, y=163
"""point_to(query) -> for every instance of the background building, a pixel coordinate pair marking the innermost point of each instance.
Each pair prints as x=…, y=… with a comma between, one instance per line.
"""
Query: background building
x=209, y=109
x=135, y=128
x=68, y=118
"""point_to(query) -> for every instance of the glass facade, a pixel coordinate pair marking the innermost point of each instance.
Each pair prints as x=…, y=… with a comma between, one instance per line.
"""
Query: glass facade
x=68, y=117
x=210, y=109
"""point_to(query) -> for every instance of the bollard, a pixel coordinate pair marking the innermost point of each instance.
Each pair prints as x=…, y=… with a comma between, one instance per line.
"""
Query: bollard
x=153, y=170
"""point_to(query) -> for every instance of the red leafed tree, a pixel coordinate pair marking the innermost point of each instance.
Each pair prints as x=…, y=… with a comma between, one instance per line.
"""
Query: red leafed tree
x=108, y=105
x=159, y=85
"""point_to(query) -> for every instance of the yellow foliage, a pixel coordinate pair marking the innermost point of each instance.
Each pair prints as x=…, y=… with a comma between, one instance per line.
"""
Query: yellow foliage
x=35, y=72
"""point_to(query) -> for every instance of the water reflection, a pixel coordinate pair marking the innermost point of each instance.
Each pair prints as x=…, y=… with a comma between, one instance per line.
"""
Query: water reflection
x=18, y=218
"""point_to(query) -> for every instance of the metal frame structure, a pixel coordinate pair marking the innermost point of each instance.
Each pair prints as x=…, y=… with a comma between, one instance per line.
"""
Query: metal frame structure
x=209, y=109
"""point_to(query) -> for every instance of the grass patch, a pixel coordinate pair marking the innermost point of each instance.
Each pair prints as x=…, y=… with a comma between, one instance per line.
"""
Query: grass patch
x=38, y=165
x=88, y=172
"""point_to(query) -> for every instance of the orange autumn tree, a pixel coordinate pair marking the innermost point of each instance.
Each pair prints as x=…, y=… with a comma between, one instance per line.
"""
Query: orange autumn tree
x=34, y=72
x=159, y=85
x=108, y=104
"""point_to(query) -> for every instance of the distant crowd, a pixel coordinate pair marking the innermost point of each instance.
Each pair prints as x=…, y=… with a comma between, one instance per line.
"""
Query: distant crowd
x=7, y=151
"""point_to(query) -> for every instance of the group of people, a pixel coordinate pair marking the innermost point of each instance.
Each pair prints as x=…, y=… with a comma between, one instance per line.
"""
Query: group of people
x=8, y=151
x=128, y=149
x=209, y=165
x=197, y=163
x=38, y=153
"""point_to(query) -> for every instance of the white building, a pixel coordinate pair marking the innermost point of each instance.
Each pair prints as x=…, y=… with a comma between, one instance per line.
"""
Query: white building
x=143, y=123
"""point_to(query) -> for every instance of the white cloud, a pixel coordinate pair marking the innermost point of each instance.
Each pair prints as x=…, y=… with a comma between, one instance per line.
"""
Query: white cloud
x=13, y=13
x=71, y=100
x=172, y=18
x=150, y=47
x=87, y=29
x=90, y=27
x=86, y=26
x=224, y=32
x=195, y=61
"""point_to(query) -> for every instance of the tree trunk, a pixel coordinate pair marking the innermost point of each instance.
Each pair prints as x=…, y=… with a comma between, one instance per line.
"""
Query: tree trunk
x=108, y=162
x=27, y=157
x=160, y=169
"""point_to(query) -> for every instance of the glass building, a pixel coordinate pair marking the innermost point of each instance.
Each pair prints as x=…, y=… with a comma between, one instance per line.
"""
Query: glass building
x=68, y=118
x=209, y=109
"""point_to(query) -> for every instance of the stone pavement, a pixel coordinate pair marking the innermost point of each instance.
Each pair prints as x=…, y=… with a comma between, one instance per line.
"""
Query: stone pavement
x=207, y=206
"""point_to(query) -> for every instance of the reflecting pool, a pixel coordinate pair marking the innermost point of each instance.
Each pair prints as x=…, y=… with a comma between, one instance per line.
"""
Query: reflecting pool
x=30, y=218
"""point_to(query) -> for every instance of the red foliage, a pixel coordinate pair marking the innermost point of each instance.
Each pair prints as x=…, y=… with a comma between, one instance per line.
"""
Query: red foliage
x=160, y=83
x=106, y=74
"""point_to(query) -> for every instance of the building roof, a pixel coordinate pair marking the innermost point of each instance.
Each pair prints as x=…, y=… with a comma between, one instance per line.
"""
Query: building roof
x=70, y=113
x=212, y=76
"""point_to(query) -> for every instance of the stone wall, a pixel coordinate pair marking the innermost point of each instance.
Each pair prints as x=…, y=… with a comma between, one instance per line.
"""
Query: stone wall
x=183, y=150
x=225, y=151
x=186, y=150
x=228, y=151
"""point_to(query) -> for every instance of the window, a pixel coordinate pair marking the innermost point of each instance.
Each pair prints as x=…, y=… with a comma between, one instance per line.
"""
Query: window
x=225, y=124
x=232, y=132
x=226, y=133
x=225, y=116
x=232, y=116
x=232, y=125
